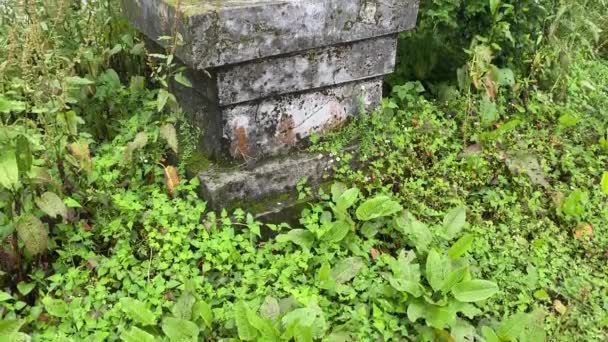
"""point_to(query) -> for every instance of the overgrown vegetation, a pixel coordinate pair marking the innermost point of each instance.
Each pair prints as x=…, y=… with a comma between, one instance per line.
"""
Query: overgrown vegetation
x=480, y=213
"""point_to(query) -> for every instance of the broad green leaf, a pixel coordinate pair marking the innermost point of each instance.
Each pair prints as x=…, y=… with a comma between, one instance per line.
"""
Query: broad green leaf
x=169, y=133
x=437, y=269
x=568, y=120
x=23, y=154
x=337, y=189
x=180, y=329
x=347, y=199
x=604, y=183
x=474, y=290
x=33, y=234
x=52, y=205
x=203, y=310
x=270, y=308
x=488, y=112
x=11, y=106
x=454, y=221
x=337, y=232
x=135, y=334
x=418, y=232
x=415, y=311
x=403, y=285
x=8, y=327
x=378, y=206
x=301, y=237
x=324, y=278
x=183, y=306
x=494, y=4
x=246, y=331
x=574, y=205
x=78, y=81
x=469, y=310
x=489, y=334
x=309, y=322
x=137, y=311
x=56, y=307
x=181, y=79
x=265, y=327
x=513, y=326
x=454, y=278
x=25, y=288
x=460, y=247
x=9, y=170
x=161, y=101
x=346, y=269
x=5, y=296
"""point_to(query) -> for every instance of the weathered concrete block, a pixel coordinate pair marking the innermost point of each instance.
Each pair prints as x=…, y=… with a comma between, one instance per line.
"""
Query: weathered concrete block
x=267, y=74
x=274, y=125
x=222, y=32
x=307, y=70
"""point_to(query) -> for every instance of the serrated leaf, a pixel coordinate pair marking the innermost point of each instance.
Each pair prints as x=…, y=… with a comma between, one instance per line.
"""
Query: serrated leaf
x=33, y=234
x=453, y=222
x=346, y=269
x=246, y=331
x=137, y=311
x=181, y=79
x=378, y=206
x=25, y=288
x=140, y=141
x=136, y=334
x=338, y=231
x=460, y=247
x=270, y=308
x=474, y=290
x=180, y=329
x=169, y=133
x=55, y=307
x=9, y=170
x=301, y=237
x=52, y=205
x=203, y=310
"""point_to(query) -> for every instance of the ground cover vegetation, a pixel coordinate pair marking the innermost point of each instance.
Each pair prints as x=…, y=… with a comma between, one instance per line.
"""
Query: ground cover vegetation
x=479, y=213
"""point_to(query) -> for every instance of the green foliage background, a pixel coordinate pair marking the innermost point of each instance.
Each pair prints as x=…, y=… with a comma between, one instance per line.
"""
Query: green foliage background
x=480, y=212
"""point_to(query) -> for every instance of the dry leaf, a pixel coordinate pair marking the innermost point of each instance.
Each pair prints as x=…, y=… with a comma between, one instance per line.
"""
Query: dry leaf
x=560, y=307
x=583, y=230
x=80, y=151
x=374, y=253
x=171, y=178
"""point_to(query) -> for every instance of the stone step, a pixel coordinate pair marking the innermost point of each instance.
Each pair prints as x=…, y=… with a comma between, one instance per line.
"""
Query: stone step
x=223, y=32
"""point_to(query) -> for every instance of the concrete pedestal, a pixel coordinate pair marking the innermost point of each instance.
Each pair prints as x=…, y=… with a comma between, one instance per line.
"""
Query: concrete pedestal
x=267, y=74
